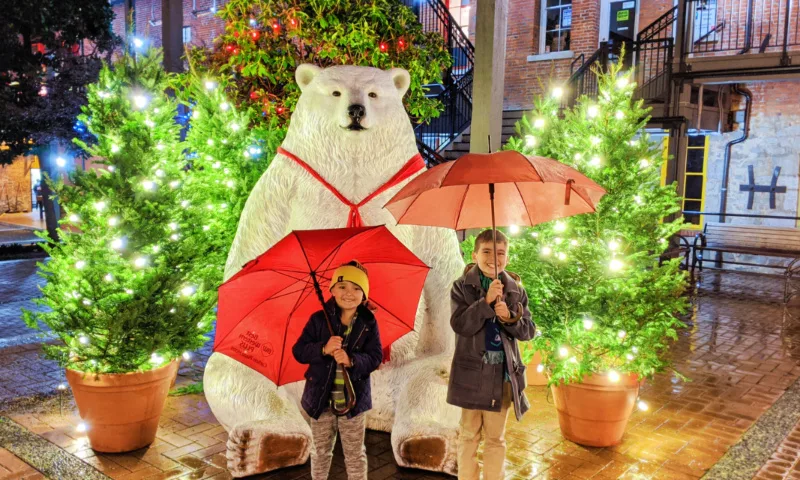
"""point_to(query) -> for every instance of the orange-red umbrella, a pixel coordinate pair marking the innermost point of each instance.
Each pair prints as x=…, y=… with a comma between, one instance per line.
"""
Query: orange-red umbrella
x=527, y=190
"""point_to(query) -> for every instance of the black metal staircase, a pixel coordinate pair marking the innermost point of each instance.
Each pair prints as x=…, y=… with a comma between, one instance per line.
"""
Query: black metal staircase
x=455, y=91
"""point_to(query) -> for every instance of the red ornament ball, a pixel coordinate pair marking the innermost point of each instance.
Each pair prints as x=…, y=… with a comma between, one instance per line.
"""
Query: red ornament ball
x=229, y=48
x=254, y=34
x=280, y=110
x=384, y=47
x=253, y=95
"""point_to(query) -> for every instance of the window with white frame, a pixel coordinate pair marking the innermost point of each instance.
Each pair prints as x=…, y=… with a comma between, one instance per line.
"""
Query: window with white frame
x=187, y=34
x=556, y=26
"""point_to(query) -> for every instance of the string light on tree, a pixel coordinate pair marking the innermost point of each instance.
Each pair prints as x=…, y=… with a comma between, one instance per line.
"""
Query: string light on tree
x=615, y=265
x=588, y=323
x=513, y=229
x=546, y=251
x=530, y=141
x=82, y=427
x=613, y=376
x=557, y=92
x=643, y=406
x=140, y=101
x=559, y=226
x=563, y=352
x=80, y=264
x=592, y=111
x=140, y=262
x=117, y=243
x=74, y=218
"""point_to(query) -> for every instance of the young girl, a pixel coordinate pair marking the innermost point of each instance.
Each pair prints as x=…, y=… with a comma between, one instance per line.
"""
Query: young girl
x=356, y=345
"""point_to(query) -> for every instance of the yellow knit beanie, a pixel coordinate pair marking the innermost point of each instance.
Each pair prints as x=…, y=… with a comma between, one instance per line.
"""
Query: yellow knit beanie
x=352, y=272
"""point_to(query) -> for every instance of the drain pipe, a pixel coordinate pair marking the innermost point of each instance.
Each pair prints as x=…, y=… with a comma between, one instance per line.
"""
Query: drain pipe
x=726, y=162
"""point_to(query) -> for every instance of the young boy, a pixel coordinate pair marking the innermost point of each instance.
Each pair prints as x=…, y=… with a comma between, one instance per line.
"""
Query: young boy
x=356, y=345
x=487, y=376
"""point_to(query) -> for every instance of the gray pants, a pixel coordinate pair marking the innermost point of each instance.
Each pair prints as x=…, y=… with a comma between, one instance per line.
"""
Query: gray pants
x=352, y=430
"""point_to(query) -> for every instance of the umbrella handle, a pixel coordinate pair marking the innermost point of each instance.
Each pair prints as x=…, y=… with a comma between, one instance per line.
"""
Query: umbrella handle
x=350, y=394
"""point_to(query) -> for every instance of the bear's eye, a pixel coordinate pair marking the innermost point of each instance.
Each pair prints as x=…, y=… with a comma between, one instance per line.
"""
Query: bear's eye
x=337, y=93
x=373, y=95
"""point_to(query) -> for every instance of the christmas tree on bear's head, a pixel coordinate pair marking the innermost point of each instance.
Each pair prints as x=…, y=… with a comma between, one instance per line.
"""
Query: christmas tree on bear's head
x=603, y=299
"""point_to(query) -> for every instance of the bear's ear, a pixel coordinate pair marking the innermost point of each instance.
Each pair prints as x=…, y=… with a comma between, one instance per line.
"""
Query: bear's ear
x=305, y=73
x=401, y=80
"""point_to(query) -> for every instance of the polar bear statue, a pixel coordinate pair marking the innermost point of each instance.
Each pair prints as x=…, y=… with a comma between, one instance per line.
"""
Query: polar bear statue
x=350, y=128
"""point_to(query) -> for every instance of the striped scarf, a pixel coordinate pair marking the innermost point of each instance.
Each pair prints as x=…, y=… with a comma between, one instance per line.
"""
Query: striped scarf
x=338, y=399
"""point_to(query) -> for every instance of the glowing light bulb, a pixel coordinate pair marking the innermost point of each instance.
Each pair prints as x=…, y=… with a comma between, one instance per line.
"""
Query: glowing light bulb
x=114, y=148
x=160, y=146
x=622, y=82
x=156, y=249
x=535, y=234
x=613, y=375
x=644, y=163
x=619, y=115
x=595, y=161
x=563, y=352
x=562, y=256
x=557, y=92
x=117, y=243
x=61, y=162
x=513, y=229
x=621, y=334
x=210, y=85
x=230, y=183
x=613, y=245
x=206, y=228
x=592, y=111
x=113, y=221
x=129, y=291
x=560, y=226
x=174, y=237
x=235, y=127
x=140, y=101
x=108, y=277
x=224, y=106
x=87, y=302
x=216, y=165
x=629, y=356
x=140, y=262
x=546, y=251
x=643, y=406
x=149, y=185
x=173, y=226
x=615, y=265
x=187, y=356
x=62, y=386
x=74, y=218
x=82, y=427
x=573, y=242
x=595, y=140
x=83, y=340
x=80, y=264
x=188, y=291
x=538, y=123
x=637, y=199
x=588, y=323
x=210, y=141
x=174, y=184
x=196, y=114
x=578, y=157
x=530, y=141
x=111, y=168
x=137, y=42
x=540, y=368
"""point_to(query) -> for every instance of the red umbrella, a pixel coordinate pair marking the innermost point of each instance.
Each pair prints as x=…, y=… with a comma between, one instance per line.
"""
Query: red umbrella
x=529, y=190
x=264, y=307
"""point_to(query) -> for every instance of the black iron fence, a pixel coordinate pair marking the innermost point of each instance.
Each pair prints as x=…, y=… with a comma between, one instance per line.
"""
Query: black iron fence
x=653, y=69
x=724, y=27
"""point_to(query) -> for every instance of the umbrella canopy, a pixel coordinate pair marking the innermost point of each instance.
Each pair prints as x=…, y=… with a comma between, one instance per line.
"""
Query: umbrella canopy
x=264, y=308
x=527, y=190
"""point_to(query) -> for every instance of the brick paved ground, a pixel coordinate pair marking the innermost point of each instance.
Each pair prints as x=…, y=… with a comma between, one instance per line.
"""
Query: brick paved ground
x=19, y=284
x=785, y=462
x=741, y=352
x=12, y=467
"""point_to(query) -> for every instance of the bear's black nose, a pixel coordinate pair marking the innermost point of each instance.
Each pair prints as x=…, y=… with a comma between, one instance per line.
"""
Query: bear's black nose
x=356, y=112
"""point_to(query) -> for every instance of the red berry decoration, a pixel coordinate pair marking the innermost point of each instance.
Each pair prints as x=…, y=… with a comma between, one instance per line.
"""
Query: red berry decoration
x=293, y=22
x=254, y=34
x=229, y=48
x=384, y=47
x=401, y=44
x=280, y=110
x=253, y=95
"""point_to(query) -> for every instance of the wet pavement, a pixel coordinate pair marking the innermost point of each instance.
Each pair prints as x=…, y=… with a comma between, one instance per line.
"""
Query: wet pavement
x=740, y=353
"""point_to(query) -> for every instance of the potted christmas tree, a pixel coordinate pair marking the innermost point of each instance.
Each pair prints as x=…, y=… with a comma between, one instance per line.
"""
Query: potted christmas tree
x=604, y=304
x=121, y=291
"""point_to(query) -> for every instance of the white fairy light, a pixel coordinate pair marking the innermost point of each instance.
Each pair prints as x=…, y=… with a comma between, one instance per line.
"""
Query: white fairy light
x=80, y=264
x=226, y=171
x=588, y=323
x=643, y=406
x=83, y=340
x=140, y=262
x=246, y=154
x=156, y=359
x=174, y=237
x=156, y=110
x=159, y=173
x=184, y=203
x=196, y=114
x=619, y=115
x=578, y=157
x=150, y=123
x=621, y=334
x=100, y=206
x=149, y=185
x=61, y=162
x=637, y=199
x=87, y=302
x=223, y=206
x=558, y=240
x=174, y=184
x=540, y=368
x=530, y=141
x=173, y=226
x=114, y=148
x=187, y=356
x=160, y=146
x=538, y=123
x=108, y=277
x=546, y=251
x=187, y=291
x=235, y=126
x=206, y=228
x=613, y=245
x=560, y=226
x=224, y=106
x=230, y=183
x=629, y=356
x=210, y=142
x=563, y=352
x=613, y=375
x=62, y=386
x=113, y=221
x=129, y=291
x=103, y=94
x=117, y=243
x=535, y=234
x=111, y=168
x=595, y=161
x=615, y=265
x=562, y=256
x=210, y=207
x=595, y=140
x=573, y=359
x=592, y=111
x=172, y=310
x=74, y=218
x=82, y=427
x=635, y=349
x=513, y=229
x=573, y=242
x=216, y=165
x=210, y=85
x=140, y=101
x=557, y=92
x=138, y=42
x=156, y=248
x=644, y=163
x=622, y=82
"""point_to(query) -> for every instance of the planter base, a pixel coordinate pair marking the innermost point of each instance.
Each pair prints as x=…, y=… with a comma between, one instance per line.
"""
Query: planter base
x=533, y=377
x=595, y=412
x=121, y=411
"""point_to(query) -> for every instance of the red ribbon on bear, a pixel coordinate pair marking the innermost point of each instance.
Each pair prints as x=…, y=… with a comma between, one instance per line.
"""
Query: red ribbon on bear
x=414, y=165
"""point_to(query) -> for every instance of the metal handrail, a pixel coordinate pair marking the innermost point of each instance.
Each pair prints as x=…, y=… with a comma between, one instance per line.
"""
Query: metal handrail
x=662, y=23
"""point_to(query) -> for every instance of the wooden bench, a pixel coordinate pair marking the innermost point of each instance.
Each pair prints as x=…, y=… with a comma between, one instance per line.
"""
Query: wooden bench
x=760, y=240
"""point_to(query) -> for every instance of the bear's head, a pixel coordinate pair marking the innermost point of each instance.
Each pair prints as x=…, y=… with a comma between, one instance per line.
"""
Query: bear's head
x=359, y=106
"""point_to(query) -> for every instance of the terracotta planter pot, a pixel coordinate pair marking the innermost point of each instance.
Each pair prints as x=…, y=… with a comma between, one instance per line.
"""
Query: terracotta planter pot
x=595, y=412
x=533, y=377
x=121, y=410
